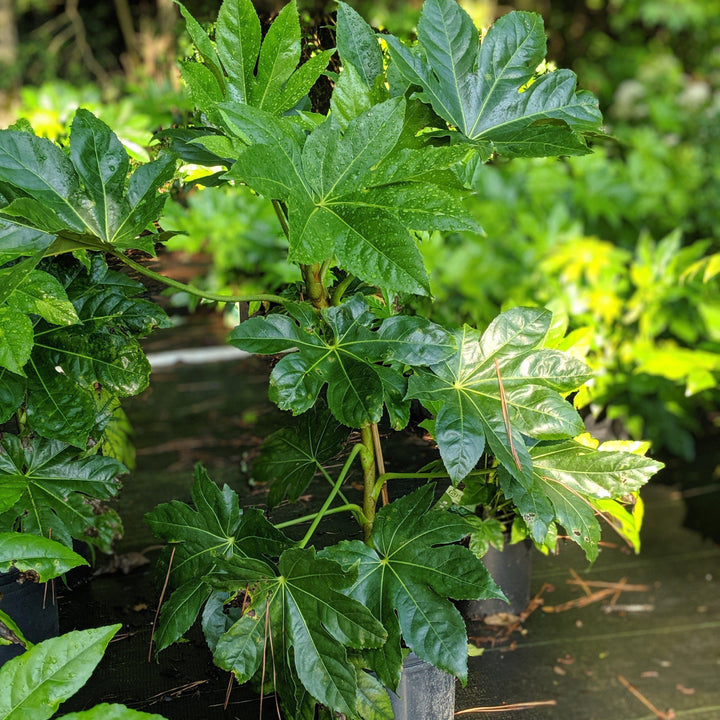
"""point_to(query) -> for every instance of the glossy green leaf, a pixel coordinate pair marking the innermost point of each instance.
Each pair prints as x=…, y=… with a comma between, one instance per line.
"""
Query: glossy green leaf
x=102, y=164
x=84, y=195
x=415, y=340
x=333, y=210
x=570, y=481
x=12, y=392
x=36, y=682
x=216, y=528
x=470, y=396
x=289, y=603
x=44, y=558
x=115, y=362
x=246, y=68
x=104, y=711
x=407, y=578
x=16, y=339
x=290, y=457
x=57, y=408
x=489, y=91
x=358, y=45
x=340, y=349
x=41, y=294
x=54, y=488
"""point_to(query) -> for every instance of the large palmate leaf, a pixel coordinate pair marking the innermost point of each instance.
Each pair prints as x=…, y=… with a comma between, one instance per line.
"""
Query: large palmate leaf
x=301, y=604
x=341, y=348
x=498, y=387
x=244, y=67
x=340, y=203
x=571, y=482
x=490, y=92
x=290, y=457
x=407, y=577
x=83, y=197
x=47, y=490
x=216, y=528
x=44, y=558
x=36, y=682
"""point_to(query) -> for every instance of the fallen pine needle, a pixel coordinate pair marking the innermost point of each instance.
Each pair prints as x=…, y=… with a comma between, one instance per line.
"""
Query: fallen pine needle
x=621, y=586
x=577, y=580
x=506, y=708
x=580, y=602
x=669, y=715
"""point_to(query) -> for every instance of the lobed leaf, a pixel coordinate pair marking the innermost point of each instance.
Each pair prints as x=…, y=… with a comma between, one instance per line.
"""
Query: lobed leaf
x=407, y=577
x=498, y=387
x=571, y=481
x=490, y=92
x=290, y=457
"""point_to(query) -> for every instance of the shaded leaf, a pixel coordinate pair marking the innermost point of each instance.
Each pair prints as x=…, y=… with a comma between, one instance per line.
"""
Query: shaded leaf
x=289, y=603
x=290, y=457
x=55, y=489
x=216, y=528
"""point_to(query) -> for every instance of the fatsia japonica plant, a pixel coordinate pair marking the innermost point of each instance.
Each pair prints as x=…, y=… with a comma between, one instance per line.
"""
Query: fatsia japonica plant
x=355, y=181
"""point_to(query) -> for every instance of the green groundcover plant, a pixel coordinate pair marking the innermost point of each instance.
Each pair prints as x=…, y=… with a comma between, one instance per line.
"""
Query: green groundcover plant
x=352, y=184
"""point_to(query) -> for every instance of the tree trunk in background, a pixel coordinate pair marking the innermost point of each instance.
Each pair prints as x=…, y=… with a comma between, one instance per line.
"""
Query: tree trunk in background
x=167, y=16
x=8, y=39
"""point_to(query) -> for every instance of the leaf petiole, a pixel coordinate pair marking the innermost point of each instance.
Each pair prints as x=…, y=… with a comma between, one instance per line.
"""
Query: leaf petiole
x=382, y=479
x=349, y=507
x=336, y=487
x=260, y=297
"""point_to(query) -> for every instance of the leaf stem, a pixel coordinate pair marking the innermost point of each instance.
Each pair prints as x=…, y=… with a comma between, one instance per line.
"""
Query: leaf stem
x=328, y=501
x=382, y=479
x=349, y=507
x=261, y=297
x=340, y=289
x=282, y=217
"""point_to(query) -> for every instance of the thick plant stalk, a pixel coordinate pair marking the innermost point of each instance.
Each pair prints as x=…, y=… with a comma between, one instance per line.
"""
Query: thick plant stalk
x=367, y=458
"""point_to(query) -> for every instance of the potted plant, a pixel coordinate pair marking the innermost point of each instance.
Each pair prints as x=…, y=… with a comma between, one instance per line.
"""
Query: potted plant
x=355, y=183
x=354, y=186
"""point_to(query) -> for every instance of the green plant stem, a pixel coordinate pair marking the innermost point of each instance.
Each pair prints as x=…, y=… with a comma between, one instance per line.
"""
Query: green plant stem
x=382, y=479
x=313, y=275
x=260, y=297
x=340, y=289
x=282, y=217
x=367, y=459
x=328, y=501
x=315, y=288
x=349, y=507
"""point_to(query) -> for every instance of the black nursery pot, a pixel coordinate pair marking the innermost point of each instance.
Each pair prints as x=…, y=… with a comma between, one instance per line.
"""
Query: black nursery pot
x=424, y=693
x=510, y=569
x=32, y=609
